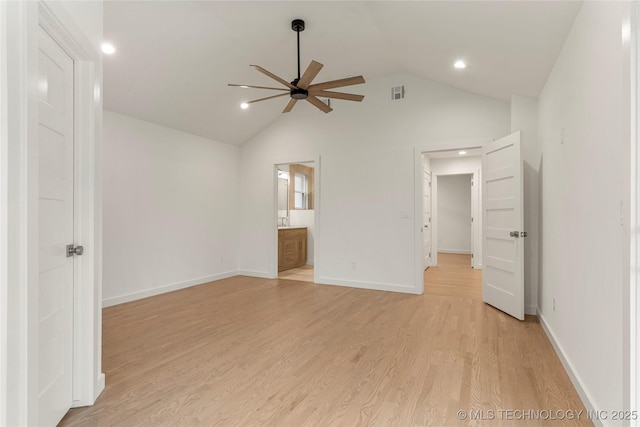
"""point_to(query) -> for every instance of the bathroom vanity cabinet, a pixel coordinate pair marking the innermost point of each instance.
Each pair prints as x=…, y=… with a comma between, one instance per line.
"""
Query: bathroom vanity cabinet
x=292, y=247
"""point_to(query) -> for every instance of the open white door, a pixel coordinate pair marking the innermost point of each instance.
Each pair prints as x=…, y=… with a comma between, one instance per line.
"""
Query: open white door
x=426, y=220
x=55, y=295
x=503, y=220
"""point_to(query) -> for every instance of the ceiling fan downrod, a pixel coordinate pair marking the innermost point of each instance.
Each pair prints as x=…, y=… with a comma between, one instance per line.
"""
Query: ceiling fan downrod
x=297, y=25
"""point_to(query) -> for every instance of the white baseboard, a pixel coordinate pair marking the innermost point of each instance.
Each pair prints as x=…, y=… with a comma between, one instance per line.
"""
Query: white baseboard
x=108, y=302
x=585, y=396
x=531, y=309
x=251, y=273
x=100, y=385
x=368, y=285
x=454, y=251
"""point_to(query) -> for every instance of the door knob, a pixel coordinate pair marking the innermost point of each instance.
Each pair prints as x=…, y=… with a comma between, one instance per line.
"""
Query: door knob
x=77, y=250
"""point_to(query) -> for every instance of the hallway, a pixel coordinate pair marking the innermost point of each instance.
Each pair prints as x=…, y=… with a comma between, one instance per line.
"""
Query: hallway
x=453, y=277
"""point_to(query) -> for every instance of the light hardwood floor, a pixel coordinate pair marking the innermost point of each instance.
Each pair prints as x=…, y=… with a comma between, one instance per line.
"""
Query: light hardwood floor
x=302, y=274
x=254, y=352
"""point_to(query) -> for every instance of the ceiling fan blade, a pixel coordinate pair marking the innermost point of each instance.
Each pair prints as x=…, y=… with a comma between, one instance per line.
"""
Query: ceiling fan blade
x=290, y=105
x=273, y=76
x=309, y=74
x=268, y=97
x=319, y=104
x=338, y=83
x=257, y=87
x=337, y=95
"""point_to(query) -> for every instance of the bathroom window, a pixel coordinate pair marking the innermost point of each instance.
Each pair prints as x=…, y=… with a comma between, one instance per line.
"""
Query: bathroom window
x=300, y=187
x=301, y=191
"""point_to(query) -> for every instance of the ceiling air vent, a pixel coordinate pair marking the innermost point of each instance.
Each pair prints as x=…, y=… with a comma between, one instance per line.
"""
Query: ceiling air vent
x=397, y=93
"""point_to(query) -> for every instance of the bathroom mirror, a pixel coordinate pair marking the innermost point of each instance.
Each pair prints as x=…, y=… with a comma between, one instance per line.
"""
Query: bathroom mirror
x=283, y=197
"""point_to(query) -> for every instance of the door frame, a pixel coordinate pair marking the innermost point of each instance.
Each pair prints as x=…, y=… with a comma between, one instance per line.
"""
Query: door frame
x=633, y=334
x=418, y=271
x=273, y=256
x=424, y=172
x=19, y=208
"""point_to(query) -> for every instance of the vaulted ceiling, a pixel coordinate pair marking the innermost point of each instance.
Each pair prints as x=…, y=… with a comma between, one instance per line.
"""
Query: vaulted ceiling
x=175, y=58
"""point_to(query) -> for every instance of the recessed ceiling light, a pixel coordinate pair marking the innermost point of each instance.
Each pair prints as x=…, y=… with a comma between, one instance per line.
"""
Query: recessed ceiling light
x=462, y=153
x=460, y=64
x=244, y=105
x=108, y=48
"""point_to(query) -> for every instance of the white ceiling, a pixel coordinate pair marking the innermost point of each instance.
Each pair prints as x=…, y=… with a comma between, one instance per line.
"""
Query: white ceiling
x=175, y=58
x=449, y=154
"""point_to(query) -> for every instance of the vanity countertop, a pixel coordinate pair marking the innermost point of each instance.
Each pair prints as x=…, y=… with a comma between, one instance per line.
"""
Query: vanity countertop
x=290, y=227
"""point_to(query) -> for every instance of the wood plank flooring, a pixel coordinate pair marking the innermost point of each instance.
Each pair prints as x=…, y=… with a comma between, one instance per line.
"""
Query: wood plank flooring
x=303, y=274
x=253, y=352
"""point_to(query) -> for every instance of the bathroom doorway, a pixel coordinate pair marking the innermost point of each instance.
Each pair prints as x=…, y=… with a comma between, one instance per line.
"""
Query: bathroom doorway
x=296, y=209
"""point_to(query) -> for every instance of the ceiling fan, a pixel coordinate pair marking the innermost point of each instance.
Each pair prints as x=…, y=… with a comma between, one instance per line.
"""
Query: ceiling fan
x=301, y=87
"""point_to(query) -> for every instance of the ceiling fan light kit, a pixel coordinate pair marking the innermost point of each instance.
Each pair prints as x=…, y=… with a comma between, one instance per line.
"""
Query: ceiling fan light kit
x=301, y=87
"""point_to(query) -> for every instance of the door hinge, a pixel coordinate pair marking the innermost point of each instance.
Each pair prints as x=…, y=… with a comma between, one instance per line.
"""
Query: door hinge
x=471, y=219
x=429, y=254
x=517, y=234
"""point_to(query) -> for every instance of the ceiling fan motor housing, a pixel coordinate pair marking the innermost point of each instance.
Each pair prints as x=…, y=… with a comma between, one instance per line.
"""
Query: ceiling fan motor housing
x=299, y=93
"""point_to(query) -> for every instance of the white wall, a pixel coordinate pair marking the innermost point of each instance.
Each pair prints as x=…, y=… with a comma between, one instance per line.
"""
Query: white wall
x=366, y=167
x=170, y=209
x=87, y=15
x=454, y=214
x=456, y=165
x=583, y=118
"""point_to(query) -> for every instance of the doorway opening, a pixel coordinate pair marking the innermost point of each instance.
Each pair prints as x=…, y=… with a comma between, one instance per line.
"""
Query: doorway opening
x=441, y=163
x=295, y=213
x=499, y=236
x=451, y=205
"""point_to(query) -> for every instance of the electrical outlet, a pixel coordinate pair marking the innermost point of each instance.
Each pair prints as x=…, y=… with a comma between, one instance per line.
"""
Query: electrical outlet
x=554, y=304
x=562, y=136
x=353, y=265
x=221, y=260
